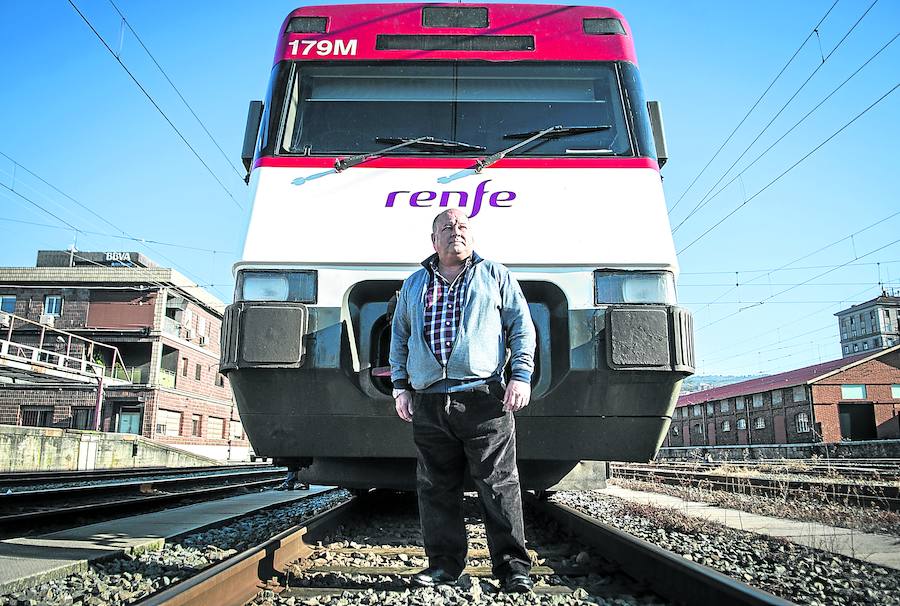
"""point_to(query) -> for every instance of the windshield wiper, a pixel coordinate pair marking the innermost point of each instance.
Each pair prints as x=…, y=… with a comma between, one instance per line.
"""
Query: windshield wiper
x=547, y=133
x=427, y=142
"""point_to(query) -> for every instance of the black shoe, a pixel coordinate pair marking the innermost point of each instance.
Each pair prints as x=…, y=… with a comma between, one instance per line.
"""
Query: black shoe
x=517, y=582
x=432, y=576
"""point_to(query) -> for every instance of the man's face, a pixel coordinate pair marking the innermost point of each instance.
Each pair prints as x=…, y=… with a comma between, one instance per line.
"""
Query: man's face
x=451, y=238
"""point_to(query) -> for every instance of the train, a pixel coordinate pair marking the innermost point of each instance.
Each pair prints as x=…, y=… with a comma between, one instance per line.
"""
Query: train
x=532, y=118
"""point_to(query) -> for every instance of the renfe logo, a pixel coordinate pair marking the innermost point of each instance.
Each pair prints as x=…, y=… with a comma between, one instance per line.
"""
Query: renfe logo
x=458, y=199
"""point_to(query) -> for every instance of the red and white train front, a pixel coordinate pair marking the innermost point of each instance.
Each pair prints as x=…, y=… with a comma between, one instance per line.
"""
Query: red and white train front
x=531, y=118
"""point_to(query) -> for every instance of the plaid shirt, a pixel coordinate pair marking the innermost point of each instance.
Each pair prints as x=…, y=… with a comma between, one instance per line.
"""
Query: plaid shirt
x=444, y=304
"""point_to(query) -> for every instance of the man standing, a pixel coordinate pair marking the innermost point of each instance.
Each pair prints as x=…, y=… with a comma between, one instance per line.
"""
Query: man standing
x=454, y=321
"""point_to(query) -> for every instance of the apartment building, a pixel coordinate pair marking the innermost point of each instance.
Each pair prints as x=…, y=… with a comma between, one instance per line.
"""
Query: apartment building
x=166, y=330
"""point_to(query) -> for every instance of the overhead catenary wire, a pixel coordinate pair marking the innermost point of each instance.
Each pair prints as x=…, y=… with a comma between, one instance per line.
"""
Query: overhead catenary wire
x=177, y=91
x=707, y=198
x=781, y=292
x=134, y=239
x=755, y=104
x=751, y=271
x=791, y=167
x=155, y=104
x=78, y=229
x=786, y=266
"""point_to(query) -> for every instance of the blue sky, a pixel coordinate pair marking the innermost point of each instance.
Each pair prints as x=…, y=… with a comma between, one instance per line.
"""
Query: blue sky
x=70, y=113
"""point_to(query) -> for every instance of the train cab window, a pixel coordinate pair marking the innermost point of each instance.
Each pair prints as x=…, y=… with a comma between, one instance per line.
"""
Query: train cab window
x=344, y=108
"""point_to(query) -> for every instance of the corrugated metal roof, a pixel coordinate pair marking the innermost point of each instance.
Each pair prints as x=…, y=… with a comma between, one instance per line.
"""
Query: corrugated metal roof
x=799, y=376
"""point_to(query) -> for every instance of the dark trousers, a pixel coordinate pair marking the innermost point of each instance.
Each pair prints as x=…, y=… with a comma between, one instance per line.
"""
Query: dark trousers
x=470, y=430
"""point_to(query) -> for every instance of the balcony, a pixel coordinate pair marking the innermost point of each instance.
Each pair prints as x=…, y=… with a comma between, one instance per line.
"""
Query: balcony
x=139, y=375
x=166, y=378
x=171, y=327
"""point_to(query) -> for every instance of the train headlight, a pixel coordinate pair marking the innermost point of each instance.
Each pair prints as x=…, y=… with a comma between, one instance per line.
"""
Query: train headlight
x=270, y=285
x=634, y=287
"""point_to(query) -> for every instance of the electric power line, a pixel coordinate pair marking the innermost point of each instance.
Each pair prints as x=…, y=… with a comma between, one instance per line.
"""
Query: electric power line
x=178, y=92
x=792, y=167
x=106, y=235
x=750, y=111
x=77, y=229
x=707, y=198
x=155, y=104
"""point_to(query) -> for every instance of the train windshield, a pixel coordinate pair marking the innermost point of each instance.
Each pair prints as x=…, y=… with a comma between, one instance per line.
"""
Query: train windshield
x=347, y=108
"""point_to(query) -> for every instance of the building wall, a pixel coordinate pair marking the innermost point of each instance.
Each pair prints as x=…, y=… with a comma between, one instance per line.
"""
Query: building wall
x=61, y=399
x=781, y=419
x=877, y=375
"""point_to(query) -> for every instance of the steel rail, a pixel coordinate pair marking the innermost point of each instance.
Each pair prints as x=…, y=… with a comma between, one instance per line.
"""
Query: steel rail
x=27, y=478
x=884, y=496
x=667, y=573
x=17, y=499
x=238, y=579
x=129, y=504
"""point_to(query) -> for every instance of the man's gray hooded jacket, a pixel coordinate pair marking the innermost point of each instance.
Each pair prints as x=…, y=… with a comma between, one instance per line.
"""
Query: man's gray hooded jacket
x=495, y=317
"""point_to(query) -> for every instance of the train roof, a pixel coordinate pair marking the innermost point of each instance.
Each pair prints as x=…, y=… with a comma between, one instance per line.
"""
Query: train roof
x=486, y=32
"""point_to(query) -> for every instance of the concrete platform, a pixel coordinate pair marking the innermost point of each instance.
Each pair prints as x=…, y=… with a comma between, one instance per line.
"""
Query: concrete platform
x=28, y=561
x=880, y=549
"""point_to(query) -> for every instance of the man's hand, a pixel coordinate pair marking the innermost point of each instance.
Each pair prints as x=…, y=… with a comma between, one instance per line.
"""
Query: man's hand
x=517, y=395
x=404, y=405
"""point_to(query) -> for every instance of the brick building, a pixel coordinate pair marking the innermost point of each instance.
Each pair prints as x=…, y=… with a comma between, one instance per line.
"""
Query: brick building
x=166, y=330
x=854, y=398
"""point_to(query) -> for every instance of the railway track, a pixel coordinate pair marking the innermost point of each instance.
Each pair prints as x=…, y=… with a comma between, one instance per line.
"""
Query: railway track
x=18, y=480
x=873, y=469
x=365, y=550
x=26, y=508
x=868, y=493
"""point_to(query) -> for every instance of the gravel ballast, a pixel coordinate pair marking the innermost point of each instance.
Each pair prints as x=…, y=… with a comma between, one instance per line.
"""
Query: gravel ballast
x=794, y=572
x=809, y=509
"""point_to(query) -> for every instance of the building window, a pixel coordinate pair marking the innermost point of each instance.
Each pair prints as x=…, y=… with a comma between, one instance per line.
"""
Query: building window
x=853, y=392
x=53, y=305
x=184, y=367
x=8, y=303
x=168, y=423
x=759, y=423
x=724, y=406
x=802, y=421
x=198, y=371
x=741, y=424
x=757, y=400
x=776, y=397
x=82, y=418
x=710, y=408
x=215, y=428
x=798, y=394
x=220, y=380
x=698, y=429
x=739, y=403
x=195, y=425
x=726, y=425
x=698, y=410
x=674, y=430
x=846, y=349
x=855, y=347
x=895, y=392
x=748, y=401
x=37, y=416
x=237, y=430
x=865, y=345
